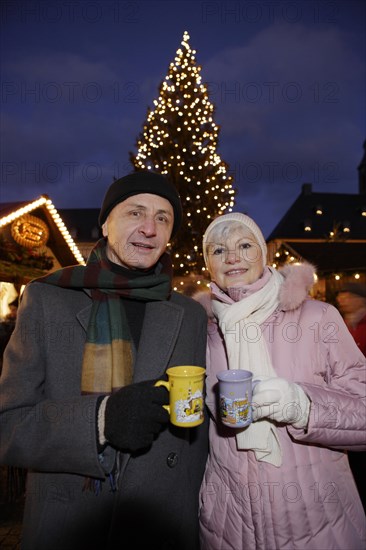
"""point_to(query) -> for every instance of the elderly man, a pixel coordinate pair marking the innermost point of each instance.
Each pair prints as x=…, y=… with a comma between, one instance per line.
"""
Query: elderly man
x=79, y=408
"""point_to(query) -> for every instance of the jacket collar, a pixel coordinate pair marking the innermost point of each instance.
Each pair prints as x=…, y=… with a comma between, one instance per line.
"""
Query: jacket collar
x=298, y=280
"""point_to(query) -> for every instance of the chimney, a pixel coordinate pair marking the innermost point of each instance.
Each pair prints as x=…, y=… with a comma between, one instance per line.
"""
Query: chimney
x=362, y=172
x=306, y=188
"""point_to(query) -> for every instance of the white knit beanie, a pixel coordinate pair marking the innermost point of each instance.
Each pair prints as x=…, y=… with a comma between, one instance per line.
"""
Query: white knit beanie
x=241, y=218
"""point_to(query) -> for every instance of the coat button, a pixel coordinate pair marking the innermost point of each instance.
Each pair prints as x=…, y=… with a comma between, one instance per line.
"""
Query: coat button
x=172, y=460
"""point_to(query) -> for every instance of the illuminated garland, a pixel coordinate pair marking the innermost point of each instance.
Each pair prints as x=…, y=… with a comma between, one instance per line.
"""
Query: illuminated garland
x=22, y=212
x=285, y=256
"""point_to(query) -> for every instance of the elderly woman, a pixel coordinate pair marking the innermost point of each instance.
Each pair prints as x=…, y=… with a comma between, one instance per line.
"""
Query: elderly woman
x=284, y=481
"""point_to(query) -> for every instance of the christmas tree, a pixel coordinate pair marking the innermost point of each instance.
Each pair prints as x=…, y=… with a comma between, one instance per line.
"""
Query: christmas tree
x=179, y=139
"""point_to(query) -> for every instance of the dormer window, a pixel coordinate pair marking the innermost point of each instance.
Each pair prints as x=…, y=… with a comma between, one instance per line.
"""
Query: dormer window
x=95, y=233
x=307, y=225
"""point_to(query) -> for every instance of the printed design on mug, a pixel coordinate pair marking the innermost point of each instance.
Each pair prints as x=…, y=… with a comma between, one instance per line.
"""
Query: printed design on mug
x=190, y=408
x=235, y=411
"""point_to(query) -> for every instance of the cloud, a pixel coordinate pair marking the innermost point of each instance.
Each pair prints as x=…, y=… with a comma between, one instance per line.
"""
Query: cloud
x=289, y=74
x=289, y=104
x=68, y=122
x=58, y=67
x=289, y=99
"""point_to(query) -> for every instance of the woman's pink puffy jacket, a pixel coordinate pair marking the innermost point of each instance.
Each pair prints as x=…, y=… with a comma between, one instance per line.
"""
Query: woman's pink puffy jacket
x=311, y=501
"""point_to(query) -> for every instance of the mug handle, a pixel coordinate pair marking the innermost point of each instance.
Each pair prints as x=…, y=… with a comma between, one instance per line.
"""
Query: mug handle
x=254, y=383
x=166, y=385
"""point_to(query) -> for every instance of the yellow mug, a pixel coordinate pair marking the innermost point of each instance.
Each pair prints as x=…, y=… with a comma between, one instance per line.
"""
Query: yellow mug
x=185, y=386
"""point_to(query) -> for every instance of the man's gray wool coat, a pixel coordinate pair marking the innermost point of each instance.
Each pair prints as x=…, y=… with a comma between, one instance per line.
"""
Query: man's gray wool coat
x=47, y=427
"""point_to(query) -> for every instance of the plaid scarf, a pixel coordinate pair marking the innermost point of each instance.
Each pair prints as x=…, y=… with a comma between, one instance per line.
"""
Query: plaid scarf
x=107, y=359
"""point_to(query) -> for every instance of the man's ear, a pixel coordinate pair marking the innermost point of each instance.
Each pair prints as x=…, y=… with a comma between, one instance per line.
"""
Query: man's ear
x=105, y=229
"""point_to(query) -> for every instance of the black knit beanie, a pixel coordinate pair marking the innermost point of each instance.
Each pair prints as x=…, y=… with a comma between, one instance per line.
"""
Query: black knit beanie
x=142, y=182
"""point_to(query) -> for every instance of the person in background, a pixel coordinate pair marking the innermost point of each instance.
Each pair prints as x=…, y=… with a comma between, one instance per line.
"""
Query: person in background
x=284, y=481
x=7, y=327
x=79, y=408
x=13, y=309
x=351, y=300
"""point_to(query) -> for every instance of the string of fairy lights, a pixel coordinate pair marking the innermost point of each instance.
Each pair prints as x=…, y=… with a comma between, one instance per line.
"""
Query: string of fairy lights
x=182, y=124
x=285, y=256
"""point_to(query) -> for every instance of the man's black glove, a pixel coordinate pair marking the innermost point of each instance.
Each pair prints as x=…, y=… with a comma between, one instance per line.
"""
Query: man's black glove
x=134, y=415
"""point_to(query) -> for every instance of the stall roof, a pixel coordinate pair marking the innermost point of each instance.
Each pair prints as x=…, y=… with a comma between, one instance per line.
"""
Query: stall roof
x=59, y=240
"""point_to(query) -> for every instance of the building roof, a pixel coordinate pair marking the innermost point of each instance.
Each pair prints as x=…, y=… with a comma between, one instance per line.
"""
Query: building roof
x=28, y=223
x=338, y=211
x=82, y=223
x=330, y=257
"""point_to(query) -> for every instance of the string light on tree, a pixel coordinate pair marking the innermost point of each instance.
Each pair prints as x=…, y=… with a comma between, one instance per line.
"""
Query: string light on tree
x=180, y=139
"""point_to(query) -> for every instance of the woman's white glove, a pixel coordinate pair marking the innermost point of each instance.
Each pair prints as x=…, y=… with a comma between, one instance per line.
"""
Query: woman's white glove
x=282, y=401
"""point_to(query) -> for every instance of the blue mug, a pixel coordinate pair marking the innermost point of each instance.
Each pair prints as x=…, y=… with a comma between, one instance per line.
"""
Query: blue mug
x=235, y=397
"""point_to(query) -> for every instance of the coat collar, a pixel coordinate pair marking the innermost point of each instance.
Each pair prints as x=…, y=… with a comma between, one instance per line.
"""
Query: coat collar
x=298, y=280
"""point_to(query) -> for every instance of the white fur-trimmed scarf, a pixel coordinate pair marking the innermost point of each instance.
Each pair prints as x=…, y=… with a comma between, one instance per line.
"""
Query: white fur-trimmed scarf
x=250, y=353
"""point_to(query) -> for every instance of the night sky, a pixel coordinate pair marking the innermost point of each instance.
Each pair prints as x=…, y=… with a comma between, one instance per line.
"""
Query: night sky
x=287, y=79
